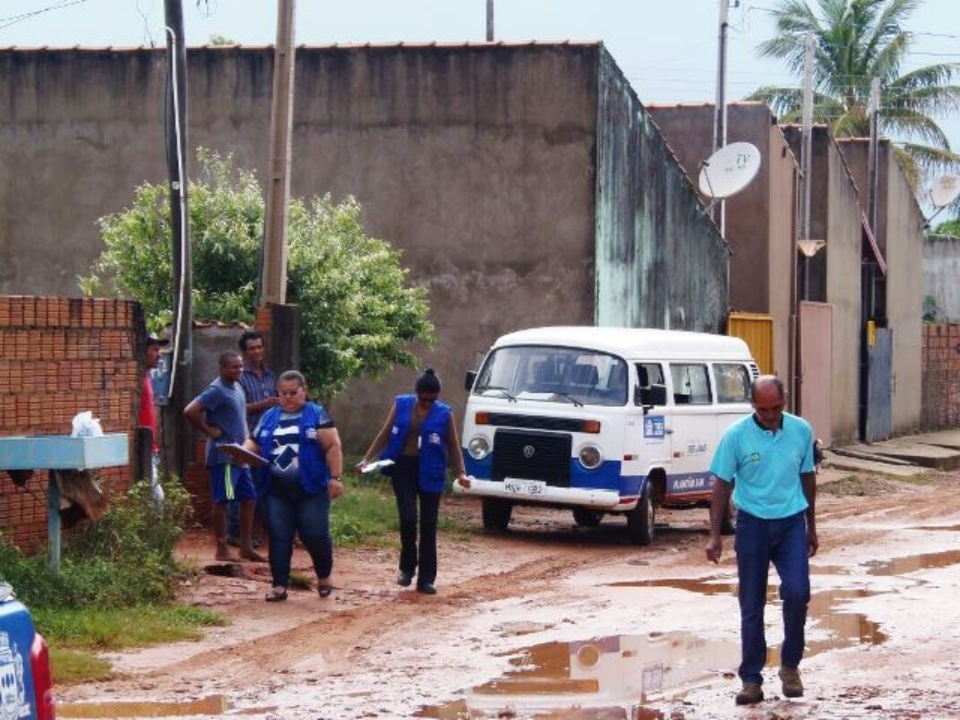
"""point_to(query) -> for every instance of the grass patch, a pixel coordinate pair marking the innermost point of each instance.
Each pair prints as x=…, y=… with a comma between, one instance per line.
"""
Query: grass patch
x=366, y=514
x=73, y=667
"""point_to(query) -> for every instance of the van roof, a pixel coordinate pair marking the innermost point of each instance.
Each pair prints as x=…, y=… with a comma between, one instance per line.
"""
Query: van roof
x=632, y=342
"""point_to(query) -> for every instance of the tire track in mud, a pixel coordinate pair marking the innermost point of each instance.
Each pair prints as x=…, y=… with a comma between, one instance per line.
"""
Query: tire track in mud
x=340, y=634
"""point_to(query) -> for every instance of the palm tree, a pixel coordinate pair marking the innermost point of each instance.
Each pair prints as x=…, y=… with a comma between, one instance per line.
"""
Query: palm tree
x=856, y=41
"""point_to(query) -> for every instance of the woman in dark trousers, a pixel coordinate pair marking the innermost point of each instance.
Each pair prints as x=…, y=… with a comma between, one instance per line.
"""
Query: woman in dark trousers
x=420, y=436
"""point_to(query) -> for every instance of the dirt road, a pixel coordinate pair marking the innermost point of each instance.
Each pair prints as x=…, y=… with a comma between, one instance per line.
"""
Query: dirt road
x=554, y=621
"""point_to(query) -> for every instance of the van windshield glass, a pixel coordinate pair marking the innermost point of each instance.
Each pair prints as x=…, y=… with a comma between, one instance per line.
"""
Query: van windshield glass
x=553, y=374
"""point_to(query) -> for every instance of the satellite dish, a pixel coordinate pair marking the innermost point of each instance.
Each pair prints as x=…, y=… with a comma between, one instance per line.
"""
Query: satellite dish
x=729, y=170
x=944, y=190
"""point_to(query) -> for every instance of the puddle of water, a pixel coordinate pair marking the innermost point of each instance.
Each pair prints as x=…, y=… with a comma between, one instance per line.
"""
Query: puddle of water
x=912, y=563
x=211, y=705
x=600, y=678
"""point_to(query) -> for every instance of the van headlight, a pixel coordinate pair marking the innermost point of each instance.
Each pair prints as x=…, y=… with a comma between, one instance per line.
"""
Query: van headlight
x=478, y=447
x=590, y=457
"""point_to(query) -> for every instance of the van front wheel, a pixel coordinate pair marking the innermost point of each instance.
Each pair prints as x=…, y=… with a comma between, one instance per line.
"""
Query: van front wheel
x=640, y=520
x=496, y=514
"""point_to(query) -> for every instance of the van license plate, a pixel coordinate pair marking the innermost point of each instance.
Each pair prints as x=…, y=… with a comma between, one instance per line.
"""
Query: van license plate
x=524, y=487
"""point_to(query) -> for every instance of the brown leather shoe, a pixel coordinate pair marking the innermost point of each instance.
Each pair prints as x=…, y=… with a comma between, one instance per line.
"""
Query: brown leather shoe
x=750, y=694
x=792, y=684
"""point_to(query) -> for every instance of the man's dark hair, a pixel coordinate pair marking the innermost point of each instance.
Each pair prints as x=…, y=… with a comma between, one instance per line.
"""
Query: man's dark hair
x=249, y=335
x=228, y=356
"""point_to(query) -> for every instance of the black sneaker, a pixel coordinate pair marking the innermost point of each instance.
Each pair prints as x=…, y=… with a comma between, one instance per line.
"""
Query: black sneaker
x=426, y=588
x=404, y=579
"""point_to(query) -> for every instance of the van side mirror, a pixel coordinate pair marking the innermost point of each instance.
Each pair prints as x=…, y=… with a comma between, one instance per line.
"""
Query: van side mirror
x=653, y=395
x=469, y=380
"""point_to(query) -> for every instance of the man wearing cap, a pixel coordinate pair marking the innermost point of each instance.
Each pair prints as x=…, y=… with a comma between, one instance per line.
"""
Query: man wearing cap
x=147, y=417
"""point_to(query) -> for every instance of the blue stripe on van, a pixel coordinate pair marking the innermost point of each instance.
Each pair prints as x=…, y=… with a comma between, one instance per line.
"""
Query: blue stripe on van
x=682, y=484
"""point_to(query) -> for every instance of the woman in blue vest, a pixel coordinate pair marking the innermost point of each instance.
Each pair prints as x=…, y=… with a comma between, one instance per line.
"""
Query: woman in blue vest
x=420, y=436
x=302, y=477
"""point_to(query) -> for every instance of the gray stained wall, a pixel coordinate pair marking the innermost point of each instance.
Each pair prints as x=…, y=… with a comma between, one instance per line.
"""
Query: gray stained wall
x=524, y=184
x=941, y=268
x=900, y=235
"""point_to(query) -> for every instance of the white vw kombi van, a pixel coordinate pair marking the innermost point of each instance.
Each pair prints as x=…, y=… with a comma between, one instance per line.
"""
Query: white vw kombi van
x=601, y=420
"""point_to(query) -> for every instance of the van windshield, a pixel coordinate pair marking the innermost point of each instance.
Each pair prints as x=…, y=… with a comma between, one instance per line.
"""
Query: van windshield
x=554, y=374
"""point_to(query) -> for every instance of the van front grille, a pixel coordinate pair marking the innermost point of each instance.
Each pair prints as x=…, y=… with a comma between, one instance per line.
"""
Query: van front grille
x=532, y=455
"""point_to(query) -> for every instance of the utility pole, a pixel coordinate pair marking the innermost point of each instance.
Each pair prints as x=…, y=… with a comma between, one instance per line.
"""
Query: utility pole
x=806, y=151
x=273, y=285
x=873, y=175
x=720, y=112
x=872, y=170
x=176, y=143
x=489, y=20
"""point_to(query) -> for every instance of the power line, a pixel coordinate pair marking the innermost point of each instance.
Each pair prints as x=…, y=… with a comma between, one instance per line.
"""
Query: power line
x=6, y=22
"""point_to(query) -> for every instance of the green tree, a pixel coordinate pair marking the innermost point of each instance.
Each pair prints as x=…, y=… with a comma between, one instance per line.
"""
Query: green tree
x=359, y=313
x=856, y=41
x=949, y=227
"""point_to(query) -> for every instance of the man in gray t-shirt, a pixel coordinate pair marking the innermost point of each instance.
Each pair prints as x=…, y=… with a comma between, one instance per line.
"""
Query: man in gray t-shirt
x=219, y=413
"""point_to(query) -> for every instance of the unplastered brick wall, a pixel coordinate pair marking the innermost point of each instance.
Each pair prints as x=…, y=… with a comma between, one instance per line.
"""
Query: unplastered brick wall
x=59, y=357
x=941, y=377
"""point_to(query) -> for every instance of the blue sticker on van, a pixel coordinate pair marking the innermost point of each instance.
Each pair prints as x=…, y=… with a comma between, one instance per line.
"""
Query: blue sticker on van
x=653, y=427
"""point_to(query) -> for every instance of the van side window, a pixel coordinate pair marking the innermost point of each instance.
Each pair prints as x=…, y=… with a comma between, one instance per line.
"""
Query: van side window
x=691, y=384
x=648, y=374
x=733, y=383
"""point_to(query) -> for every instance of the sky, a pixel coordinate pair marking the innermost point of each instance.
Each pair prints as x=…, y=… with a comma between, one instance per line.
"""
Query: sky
x=668, y=49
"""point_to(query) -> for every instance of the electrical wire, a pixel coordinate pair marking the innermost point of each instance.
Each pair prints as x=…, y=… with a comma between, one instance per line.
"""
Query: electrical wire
x=178, y=187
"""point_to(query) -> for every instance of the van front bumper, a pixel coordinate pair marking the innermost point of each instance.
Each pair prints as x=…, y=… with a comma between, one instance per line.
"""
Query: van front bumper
x=528, y=492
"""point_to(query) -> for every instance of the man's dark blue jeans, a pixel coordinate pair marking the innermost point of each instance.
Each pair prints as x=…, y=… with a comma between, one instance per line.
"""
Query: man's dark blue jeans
x=784, y=543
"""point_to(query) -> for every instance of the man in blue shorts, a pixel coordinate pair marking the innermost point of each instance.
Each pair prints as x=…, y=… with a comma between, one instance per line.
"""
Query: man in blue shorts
x=770, y=456
x=219, y=413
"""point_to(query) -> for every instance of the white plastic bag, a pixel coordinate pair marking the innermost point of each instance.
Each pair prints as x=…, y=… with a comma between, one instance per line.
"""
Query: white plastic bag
x=86, y=425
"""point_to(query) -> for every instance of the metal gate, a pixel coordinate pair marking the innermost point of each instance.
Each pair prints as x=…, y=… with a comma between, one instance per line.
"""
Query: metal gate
x=879, y=421
x=756, y=330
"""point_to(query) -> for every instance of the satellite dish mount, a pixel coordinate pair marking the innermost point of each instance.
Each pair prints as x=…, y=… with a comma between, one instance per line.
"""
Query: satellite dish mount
x=943, y=191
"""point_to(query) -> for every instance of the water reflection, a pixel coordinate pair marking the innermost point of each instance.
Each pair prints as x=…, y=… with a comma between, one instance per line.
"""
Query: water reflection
x=599, y=678
x=211, y=705
x=614, y=676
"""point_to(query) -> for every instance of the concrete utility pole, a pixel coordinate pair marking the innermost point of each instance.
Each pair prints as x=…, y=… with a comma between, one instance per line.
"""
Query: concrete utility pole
x=806, y=151
x=720, y=111
x=489, y=20
x=872, y=169
x=273, y=286
x=176, y=111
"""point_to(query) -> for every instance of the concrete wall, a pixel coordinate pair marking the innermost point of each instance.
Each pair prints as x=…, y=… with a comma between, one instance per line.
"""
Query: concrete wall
x=759, y=220
x=941, y=268
x=900, y=224
x=480, y=163
x=660, y=260
x=842, y=255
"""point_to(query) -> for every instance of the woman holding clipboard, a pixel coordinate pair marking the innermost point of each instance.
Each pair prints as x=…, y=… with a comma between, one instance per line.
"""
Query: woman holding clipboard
x=301, y=466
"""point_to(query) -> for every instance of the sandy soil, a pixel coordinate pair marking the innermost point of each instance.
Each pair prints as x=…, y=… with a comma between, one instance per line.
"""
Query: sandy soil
x=554, y=621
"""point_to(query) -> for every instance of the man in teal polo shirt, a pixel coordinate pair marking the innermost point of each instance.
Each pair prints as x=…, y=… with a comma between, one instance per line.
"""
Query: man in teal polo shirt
x=770, y=455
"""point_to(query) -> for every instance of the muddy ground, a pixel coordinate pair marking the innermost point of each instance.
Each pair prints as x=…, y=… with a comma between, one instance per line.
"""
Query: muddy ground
x=555, y=621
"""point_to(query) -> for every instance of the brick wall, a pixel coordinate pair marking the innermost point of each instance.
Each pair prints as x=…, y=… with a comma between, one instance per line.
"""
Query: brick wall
x=58, y=357
x=941, y=377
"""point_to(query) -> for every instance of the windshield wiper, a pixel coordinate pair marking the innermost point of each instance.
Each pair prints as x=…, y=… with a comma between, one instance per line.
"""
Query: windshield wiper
x=502, y=390
x=568, y=396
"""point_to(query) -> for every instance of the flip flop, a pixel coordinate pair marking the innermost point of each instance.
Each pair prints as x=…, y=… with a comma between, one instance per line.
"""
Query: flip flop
x=276, y=595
